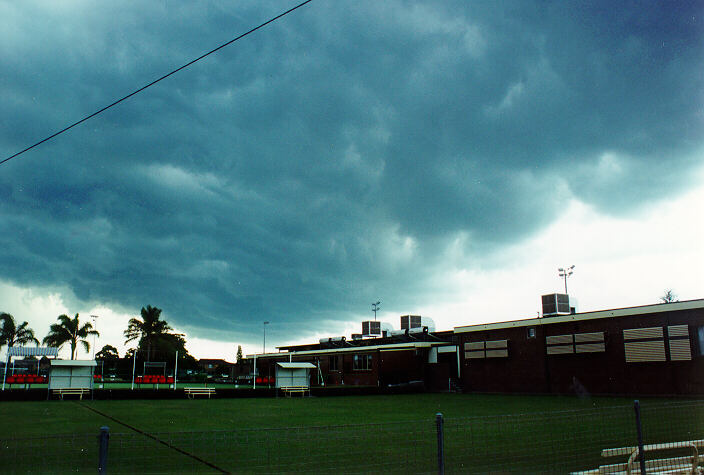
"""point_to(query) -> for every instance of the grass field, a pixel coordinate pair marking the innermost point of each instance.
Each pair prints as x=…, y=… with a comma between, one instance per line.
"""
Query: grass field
x=382, y=433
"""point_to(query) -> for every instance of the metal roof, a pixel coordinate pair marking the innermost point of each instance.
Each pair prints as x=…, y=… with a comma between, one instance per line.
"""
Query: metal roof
x=33, y=351
x=614, y=313
x=296, y=365
x=73, y=363
x=355, y=349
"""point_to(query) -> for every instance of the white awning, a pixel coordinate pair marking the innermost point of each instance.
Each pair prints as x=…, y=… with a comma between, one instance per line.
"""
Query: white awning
x=33, y=351
x=296, y=365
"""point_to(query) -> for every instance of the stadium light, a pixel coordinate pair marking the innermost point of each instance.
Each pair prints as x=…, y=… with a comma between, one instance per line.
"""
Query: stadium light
x=95, y=327
x=375, y=308
x=265, y=324
x=565, y=273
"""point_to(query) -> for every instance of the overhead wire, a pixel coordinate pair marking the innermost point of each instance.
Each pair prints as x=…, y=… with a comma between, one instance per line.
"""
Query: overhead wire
x=137, y=91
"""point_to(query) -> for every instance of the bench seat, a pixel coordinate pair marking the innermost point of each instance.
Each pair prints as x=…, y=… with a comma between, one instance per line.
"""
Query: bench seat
x=290, y=390
x=61, y=392
x=193, y=392
x=680, y=464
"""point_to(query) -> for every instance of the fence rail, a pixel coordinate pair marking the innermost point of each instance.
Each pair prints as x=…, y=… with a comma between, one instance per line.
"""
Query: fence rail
x=561, y=442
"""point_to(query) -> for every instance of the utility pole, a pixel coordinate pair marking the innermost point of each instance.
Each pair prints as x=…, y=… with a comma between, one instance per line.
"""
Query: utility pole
x=375, y=308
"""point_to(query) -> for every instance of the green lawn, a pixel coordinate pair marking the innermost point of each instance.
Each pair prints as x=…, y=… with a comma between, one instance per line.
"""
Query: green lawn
x=382, y=433
x=39, y=418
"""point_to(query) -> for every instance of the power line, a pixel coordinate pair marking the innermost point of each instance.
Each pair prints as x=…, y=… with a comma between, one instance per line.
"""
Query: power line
x=155, y=81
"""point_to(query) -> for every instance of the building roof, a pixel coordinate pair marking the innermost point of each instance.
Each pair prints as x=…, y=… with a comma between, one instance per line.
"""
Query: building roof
x=613, y=313
x=33, y=351
x=414, y=336
x=73, y=363
x=355, y=349
x=296, y=365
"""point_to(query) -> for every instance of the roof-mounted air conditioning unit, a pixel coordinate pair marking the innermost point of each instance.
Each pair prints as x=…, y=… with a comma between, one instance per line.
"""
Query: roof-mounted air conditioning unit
x=556, y=304
x=409, y=322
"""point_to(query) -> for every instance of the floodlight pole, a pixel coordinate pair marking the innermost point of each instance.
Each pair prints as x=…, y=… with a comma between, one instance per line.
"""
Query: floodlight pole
x=264, y=350
x=565, y=273
x=95, y=327
x=7, y=363
x=175, y=370
x=375, y=308
x=134, y=366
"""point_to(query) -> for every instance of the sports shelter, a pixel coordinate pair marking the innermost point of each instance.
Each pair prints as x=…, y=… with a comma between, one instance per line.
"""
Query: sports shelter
x=71, y=374
x=293, y=374
x=24, y=352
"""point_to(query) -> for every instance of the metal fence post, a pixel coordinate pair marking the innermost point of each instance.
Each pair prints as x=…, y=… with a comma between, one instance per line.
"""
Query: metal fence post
x=641, y=453
x=441, y=443
x=103, y=449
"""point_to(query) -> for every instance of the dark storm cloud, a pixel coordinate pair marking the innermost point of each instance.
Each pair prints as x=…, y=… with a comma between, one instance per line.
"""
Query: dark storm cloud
x=331, y=157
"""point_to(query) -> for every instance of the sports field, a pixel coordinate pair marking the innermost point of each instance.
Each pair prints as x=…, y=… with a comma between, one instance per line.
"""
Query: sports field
x=381, y=433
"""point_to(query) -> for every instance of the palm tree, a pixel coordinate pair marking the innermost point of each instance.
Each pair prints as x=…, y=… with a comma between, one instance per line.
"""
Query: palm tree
x=150, y=329
x=69, y=330
x=11, y=334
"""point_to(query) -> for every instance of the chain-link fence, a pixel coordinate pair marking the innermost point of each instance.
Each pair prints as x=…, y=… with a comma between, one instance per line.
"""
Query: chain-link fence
x=559, y=442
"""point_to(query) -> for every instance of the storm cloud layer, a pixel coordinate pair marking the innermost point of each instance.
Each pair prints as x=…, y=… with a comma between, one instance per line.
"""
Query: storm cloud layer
x=333, y=156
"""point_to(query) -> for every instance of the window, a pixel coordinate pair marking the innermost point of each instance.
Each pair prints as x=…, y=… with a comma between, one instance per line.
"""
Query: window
x=362, y=362
x=486, y=349
x=333, y=364
x=644, y=344
x=700, y=333
x=530, y=333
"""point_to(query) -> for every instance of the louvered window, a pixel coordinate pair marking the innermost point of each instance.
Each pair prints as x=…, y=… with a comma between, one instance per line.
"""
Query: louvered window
x=644, y=344
x=575, y=343
x=486, y=349
x=678, y=339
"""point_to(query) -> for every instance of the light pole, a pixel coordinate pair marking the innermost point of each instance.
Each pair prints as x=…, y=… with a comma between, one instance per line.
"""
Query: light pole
x=265, y=324
x=375, y=308
x=95, y=327
x=565, y=273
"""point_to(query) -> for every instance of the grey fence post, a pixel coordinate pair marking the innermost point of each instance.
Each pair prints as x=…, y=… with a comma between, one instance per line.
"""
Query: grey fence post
x=441, y=443
x=103, y=449
x=641, y=453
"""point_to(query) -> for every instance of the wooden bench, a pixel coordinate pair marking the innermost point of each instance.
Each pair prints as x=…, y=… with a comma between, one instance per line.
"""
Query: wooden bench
x=680, y=464
x=290, y=390
x=193, y=392
x=71, y=392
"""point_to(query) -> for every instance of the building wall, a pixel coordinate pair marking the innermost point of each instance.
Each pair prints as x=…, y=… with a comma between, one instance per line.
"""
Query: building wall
x=385, y=368
x=528, y=368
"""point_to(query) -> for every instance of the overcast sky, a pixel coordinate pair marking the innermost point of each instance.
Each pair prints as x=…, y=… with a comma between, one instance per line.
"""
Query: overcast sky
x=442, y=157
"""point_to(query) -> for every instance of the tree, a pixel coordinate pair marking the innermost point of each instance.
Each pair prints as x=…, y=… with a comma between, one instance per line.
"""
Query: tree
x=239, y=354
x=669, y=297
x=150, y=330
x=11, y=334
x=108, y=353
x=69, y=330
